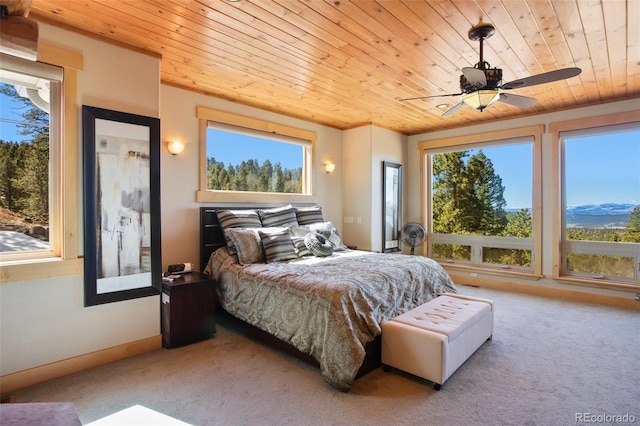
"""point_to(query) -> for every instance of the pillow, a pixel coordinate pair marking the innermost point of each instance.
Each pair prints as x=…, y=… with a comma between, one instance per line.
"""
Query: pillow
x=329, y=231
x=248, y=245
x=299, y=231
x=277, y=246
x=308, y=215
x=280, y=216
x=237, y=219
x=299, y=246
x=318, y=245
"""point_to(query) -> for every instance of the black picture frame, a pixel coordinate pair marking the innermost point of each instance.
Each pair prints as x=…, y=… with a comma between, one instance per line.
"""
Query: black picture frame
x=391, y=206
x=122, y=240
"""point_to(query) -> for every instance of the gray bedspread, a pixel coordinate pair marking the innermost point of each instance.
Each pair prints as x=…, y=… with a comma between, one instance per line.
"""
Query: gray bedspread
x=328, y=307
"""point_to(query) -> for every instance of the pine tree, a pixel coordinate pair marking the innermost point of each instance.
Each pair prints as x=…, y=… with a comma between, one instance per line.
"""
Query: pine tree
x=468, y=197
x=25, y=166
x=631, y=232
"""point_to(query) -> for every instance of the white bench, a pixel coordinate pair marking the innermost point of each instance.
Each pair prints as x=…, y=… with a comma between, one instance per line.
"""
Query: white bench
x=434, y=339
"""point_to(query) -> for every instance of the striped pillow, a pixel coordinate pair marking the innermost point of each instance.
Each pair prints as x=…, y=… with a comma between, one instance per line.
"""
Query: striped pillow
x=309, y=215
x=237, y=219
x=300, y=247
x=277, y=246
x=280, y=216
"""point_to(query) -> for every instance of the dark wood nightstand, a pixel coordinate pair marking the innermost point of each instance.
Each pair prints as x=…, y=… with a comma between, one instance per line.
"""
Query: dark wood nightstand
x=188, y=309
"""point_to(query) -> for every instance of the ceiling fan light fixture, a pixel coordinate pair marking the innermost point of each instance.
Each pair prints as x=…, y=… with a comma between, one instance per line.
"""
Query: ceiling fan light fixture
x=480, y=99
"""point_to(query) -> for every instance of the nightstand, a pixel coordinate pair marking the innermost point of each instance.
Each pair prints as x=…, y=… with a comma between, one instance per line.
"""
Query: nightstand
x=188, y=309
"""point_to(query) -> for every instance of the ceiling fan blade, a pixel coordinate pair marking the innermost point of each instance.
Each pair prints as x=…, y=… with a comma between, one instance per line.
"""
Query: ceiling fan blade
x=433, y=96
x=546, y=77
x=475, y=76
x=453, y=109
x=517, y=100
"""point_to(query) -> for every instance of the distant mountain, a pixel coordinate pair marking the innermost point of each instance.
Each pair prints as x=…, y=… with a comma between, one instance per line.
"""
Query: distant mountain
x=608, y=215
x=602, y=209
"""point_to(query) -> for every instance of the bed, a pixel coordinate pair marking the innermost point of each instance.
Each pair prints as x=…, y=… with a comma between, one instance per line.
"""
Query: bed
x=328, y=306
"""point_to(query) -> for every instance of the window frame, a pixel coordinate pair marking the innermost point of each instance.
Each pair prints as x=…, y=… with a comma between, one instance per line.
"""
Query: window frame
x=477, y=141
x=204, y=195
x=62, y=259
x=560, y=245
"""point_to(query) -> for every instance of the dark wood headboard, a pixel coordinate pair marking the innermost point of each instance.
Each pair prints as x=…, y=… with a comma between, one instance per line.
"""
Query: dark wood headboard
x=211, y=237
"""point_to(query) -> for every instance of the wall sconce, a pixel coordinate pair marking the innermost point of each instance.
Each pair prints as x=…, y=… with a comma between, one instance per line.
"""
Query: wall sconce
x=175, y=147
x=329, y=167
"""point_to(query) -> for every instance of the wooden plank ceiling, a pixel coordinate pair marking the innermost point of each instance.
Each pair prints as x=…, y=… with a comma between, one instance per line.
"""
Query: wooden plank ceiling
x=347, y=63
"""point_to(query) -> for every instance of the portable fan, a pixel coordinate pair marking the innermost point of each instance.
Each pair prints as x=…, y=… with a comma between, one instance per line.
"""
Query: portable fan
x=413, y=235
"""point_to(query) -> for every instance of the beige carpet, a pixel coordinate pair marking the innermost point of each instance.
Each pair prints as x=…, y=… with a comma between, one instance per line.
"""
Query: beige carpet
x=551, y=362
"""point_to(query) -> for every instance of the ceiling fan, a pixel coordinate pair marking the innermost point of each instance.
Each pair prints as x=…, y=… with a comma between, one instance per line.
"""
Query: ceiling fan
x=481, y=85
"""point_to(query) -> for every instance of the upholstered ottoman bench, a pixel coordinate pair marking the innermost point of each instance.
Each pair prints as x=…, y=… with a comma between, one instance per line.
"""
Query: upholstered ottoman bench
x=434, y=339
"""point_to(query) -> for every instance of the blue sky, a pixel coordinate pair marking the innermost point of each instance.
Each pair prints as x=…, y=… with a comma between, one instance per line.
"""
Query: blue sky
x=513, y=163
x=233, y=149
x=10, y=110
x=602, y=169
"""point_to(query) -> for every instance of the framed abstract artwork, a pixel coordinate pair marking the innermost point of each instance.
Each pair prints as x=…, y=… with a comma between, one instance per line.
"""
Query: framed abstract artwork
x=122, y=256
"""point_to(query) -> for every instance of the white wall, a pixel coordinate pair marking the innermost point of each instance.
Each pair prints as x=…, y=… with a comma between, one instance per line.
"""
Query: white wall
x=180, y=173
x=45, y=321
x=387, y=146
x=364, y=149
x=356, y=151
x=414, y=213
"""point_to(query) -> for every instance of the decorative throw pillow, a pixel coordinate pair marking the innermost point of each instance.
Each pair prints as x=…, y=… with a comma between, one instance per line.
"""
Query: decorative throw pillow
x=248, y=245
x=318, y=244
x=308, y=215
x=280, y=216
x=277, y=246
x=237, y=219
x=299, y=231
x=329, y=231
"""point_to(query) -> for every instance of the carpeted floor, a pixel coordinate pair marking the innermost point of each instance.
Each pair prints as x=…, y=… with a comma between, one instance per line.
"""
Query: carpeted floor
x=551, y=362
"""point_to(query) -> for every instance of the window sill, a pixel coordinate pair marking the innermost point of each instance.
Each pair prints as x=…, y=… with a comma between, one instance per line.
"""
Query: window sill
x=490, y=271
x=37, y=269
x=252, y=197
x=605, y=284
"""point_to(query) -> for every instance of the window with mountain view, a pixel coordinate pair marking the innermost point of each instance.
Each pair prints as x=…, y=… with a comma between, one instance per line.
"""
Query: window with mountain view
x=481, y=204
x=601, y=211
x=29, y=99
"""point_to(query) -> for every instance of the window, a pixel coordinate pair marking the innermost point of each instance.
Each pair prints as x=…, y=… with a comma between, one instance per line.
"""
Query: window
x=481, y=201
x=600, y=207
x=29, y=139
x=58, y=256
x=239, y=160
x=243, y=155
